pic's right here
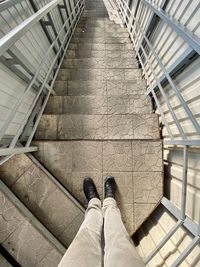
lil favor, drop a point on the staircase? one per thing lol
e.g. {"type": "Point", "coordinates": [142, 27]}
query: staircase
{"type": "Point", "coordinates": [99, 122]}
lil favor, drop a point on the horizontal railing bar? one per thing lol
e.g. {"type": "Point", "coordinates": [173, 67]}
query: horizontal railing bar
{"type": "Point", "coordinates": [17, 150]}
{"type": "Point", "coordinates": [186, 252]}
{"type": "Point", "coordinates": [182, 142]}
{"type": "Point", "coordinates": [163, 241]}
{"type": "Point", "coordinates": [14, 35]}
{"type": "Point", "coordinates": [5, 158]}
{"type": "Point", "coordinates": [191, 226]}
{"type": "Point", "coordinates": [183, 32]}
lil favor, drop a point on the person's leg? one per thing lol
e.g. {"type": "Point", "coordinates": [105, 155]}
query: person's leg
{"type": "Point", "coordinates": [86, 250]}
{"type": "Point", "coordinates": [119, 248]}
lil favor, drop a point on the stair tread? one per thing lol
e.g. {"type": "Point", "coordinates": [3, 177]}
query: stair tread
{"type": "Point", "coordinates": [100, 40]}
{"type": "Point", "coordinates": [108, 55]}
{"type": "Point", "coordinates": [101, 46]}
{"type": "Point", "coordinates": [110, 29]}
{"type": "Point", "coordinates": [99, 63]}
{"type": "Point", "coordinates": [15, 228]}
{"type": "Point", "coordinates": [43, 197]}
{"type": "Point", "coordinates": [106, 74]}
{"type": "Point", "coordinates": [99, 104]}
{"type": "Point", "coordinates": [98, 127]}
{"type": "Point", "coordinates": [94, 87]}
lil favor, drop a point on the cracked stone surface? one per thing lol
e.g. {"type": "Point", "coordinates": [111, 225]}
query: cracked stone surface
{"type": "Point", "coordinates": [47, 127]}
{"type": "Point", "coordinates": [145, 126]}
{"type": "Point", "coordinates": [117, 156]}
{"type": "Point", "coordinates": [95, 127]}
{"type": "Point", "coordinates": [147, 187]}
{"type": "Point", "coordinates": [99, 63]}
{"type": "Point", "coordinates": [71, 161]}
{"type": "Point", "coordinates": [86, 88]}
{"type": "Point", "coordinates": [26, 244]}
{"type": "Point", "coordinates": [43, 198]}
{"type": "Point", "coordinates": [120, 127]}
{"type": "Point", "coordinates": [70, 127]}
{"type": "Point", "coordinates": [147, 156]}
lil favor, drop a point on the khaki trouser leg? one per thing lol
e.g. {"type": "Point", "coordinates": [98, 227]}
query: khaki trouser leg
{"type": "Point", "coordinates": [86, 249]}
{"type": "Point", "coordinates": [119, 249]}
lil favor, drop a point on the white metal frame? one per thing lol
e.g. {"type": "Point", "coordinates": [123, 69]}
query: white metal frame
{"type": "Point", "coordinates": [46, 85]}
{"type": "Point", "coordinates": [140, 40]}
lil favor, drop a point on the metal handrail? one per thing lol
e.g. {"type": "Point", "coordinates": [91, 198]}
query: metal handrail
{"type": "Point", "coordinates": [8, 41]}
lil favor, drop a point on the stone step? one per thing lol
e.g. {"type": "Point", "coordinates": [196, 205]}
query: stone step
{"type": "Point", "coordinates": [100, 30]}
{"type": "Point", "coordinates": [136, 166]}
{"type": "Point", "coordinates": [102, 40]}
{"type": "Point", "coordinates": [99, 74]}
{"type": "Point", "coordinates": [93, 4]}
{"type": "Point", "coordinates": [106, 23]}
{"type": "Point", "coordinates": [95, 10]}
{"type": "Point", "coordinates": [109, 55]}
{"type": "Point", "coordinates": [99, 105]}
{"type": "Point", "coordinates": [95, 15]}
{"type": "Point", "coordinates": [25, 239]}
{"type": "Point", "coordinates": [88, 34]}
{"type": "Point", "coordinates": [43, 196]}
{"type": "Point", "coordinates": [92, 19]}
{"type": "Point", "coordinates": [93, 87]}
{"type": "Point", "coordinates": [101, 46]}
{"type": "Point", "coordinates": [97, 127]}
{"type": "Point", "coordinates": [99, 63]}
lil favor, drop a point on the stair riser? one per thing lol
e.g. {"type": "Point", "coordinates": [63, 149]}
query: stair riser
{"type": "Point", "coordinates": [89, 29]}
{"type": "Point", "coordinates": [101, 40]}
{"type": "Point", "coordinates": [101, 47]}
{"type": "Point", "coordinates": [110, 55]}
{"type": "Point", "coordinates": [98, 127]}
{"type": "Point", "coordinates": [97, 23]}
{"type": "Point", "coordinates": [95, 15]}
{"type": "Point", "coordinates": [101, 34]}
{"type": "Point", "coordinates": [99, 74]}
{"type": "Point", "coordinates": [80, 88]}
{"type": "Point", "coordinates": [93, 63]}
{"type": "Point", "coordinates": [95, 10]}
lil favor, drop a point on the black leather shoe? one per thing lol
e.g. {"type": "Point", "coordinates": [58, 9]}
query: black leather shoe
{"type": "Point", "coordinates": [110, 187]}
{"type": "Point", "coordinates": [90, 189]}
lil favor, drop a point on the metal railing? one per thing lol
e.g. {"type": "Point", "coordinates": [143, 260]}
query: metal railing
{"type": "Point", "coordinates": [142, 20]}
{"type": "Point", "coordinates": [57, 20]}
